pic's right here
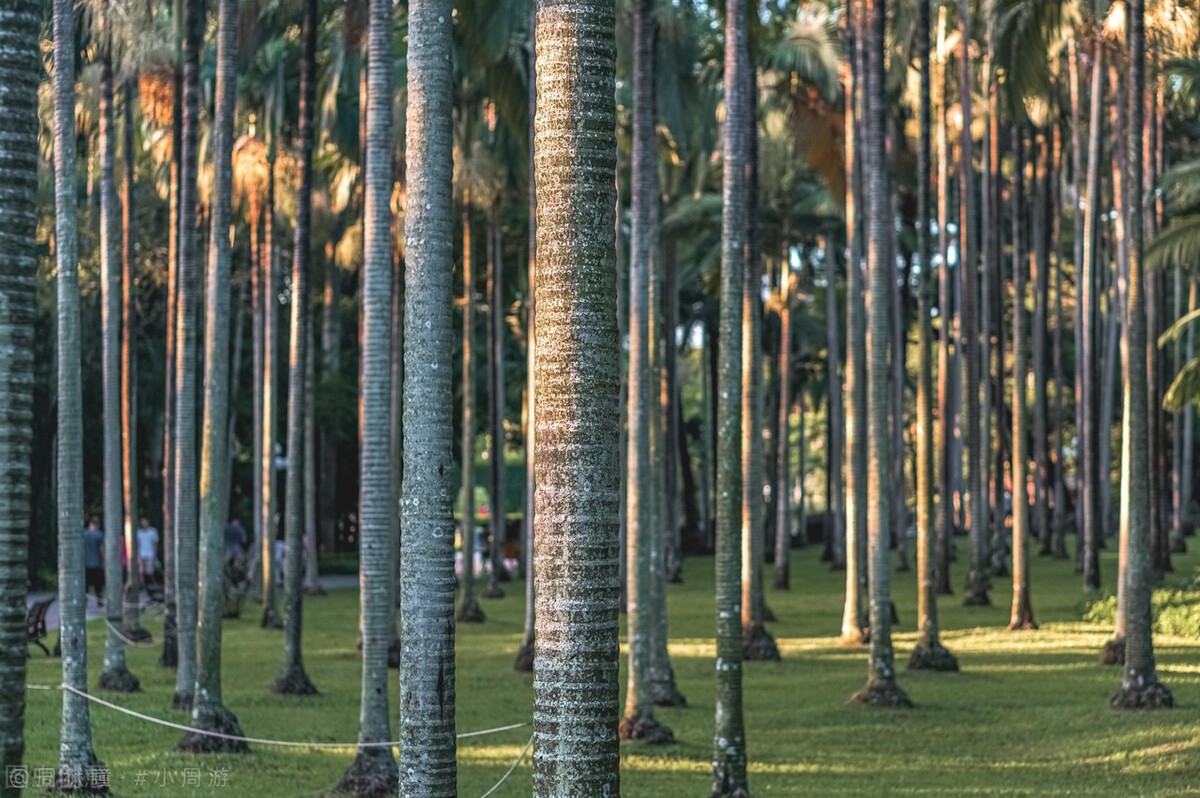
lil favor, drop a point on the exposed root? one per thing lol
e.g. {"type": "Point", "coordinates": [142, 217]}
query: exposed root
{"type": "Point", "coordinates": [932, 657]}
{"type": "Point", "coordinates": [89, 779]}
{"type": "Point", "coordinates": [643, 726]}
{"type": "Point", "coordinates": [1152, 696]}
{"type": "Point", "coordinates": [1113, 652]}
{"type": "Point", "coordinates": [524, 660]}
{"type": "Point", "coordinates": [182, 701]}
{"type": "Point", "coordinates": [270, 619]}
{"type": "Point", "coordinates": [877, 694]}
{"type": "Point", "coordinates": [213, 717]}
{"type": "Point", "coordinates": [854, 637]}
{"type": "Point", "coordinates": [119, 681]}
{"type": "Point", "coordinates": [471, 612]}
{"type": "Point", "coordinates": [1025, 623]}
{"type": "Point", "coordinates": [372, 774]}
{"type": "Point", "coordinates": [758, 645]}
{"type": "Point", "coordinates": [293, 681]}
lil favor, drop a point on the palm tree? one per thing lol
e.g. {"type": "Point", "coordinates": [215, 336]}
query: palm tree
{"type": "Point", "coordinates": [292, 679]}
{"type": "Point", "coordinates": [783, 456]}
{"type": "Point", "coordinates": [469, 611]}
{"type": "Point", "coordinates": [116, 675]}
{"type": "Point", "coordinates": [1022, 609]}
{"type": "Point", "coordinates": [578, 462]}
{"type": "Point", "coordinates": [641, 540]}
{"type": "Point", "coordinates": [855, 387]}
{"type": "Point", "coordinates": [184, 514]}
{"type": "Point", "coordinates": [947, 361]}
{"type": "Point", "coordinates": [929, 653]}
{"type": "Point", "coordinates": [268, 264]}
{"type": "Point", "coordinates": [881, 688]}
{"type": "Point", "coordinates": [495, 283]}
{"type": "Point", "coordinates": [1140, 688]}
{"type": "Point", "coordinates": [729, 736]}
{"type": "Point", "coordinates": [208, 711]}
{"type": "Point", "coordinates": [20, 70]}
{"type": "Point", "coordinates": [75, 733]}
{"type": "Point", "coordinates": [427, 750]}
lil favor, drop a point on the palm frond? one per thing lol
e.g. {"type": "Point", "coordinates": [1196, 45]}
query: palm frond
{"type": "Point", "coordinates": [1177, 245]}
{"type": "Point", "coordinates": [1025, 33]}
{"type": "Point", "coordinates": [1185, 388]}
{"type": "Point", "coordinates": [811, 50]}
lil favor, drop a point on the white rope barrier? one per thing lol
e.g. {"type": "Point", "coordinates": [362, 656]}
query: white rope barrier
{"type": "Point", "coordinates": [256, 740]}
{"type": "Point", "coordinates": [504, 778]}
{"type": "Point", "coordinates": [127, 641]}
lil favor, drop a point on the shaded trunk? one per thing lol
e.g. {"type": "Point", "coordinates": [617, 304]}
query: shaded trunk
{"type": "Point", "coordinates": [469, 611]}
{"type": "Point", "coordinates": [331, 367]}
{"type": "Point", "coordinates": [947, 374]}
{"type": "Point", "coordinates": [783, 471]}
{"type": "Point", "coordinates": [496, 512]}
{"type": "Point", "coordinates": [669, 400]}
{"type": "Point", "coordinates": [834, 447]}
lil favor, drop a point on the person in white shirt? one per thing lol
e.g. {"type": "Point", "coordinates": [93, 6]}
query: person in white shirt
{"type": "Point", "coordinates": [147, 544]}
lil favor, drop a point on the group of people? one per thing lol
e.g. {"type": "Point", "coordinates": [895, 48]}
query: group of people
{"type": "Point", "coordinates": [94, 555]}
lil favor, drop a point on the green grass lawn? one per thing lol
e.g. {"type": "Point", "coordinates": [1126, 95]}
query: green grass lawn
{"type": "Point", "coordinates": [1028, 714]}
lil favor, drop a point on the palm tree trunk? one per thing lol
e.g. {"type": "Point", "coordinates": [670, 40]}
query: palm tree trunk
{"type": "Point", "coordinates": [1187, 463]}
{"type": "Point", "coordinates": [469, 611]}
{"type": "Point", "coordinates": [184, 516]}
{"type": "Point", "coordinates": [524, 659]}
{"type": "Point", "coordinates": [669, 401]}
{"type": "Point", "coordinates": [209, 712]}
{"type": "Point", "coordinates": [899, 508]}
{"type": "Point", "coordinates": [575, 742]}
{"type": "Point", "coordinates": [331, 366]}
{"type": "Point", "coordinates": [1039, 251]}
{"type": "Point", "coordinates": [116, 675]}
{"type": "Point", "coordinates": [258, 298]}
{"type": "Point", "coordinates": [20, 72]}
{"type": "Point", "coordinates": [853, 619]}
{"type": "Point", "coordinates": [929, 653]}
{"type": "Point", "coordinates": [267, 508]}
{"type": "Point", "coordinates": [834, 446]}
{"type": "Point", "coordinates": [1022, 609]}
{"type": "Point", "coordinates": [75, 732]}
{"type": "Point", "coordinates": [292, 679]}
{"type": "Point", "coordinates": [881, 688]}
{"type": "Point", "coordinates": [498, 517]}
{"type": "Point", "coordinates": [312, 575]}
{"type": "Point", "coordinates": [1090, 508]}
{"type": "Point", "coordinates": [729, 750]}
{"type": "Point", "coordinates": [782, 487]}
{"type": "Point", "coordinates": [977, 578]}
{"type": "Point", "coordinates": [170, 651]}
{"type": "Point", "coordinates": [1058, 546]}
{"type": "Point", "coordinates": [427, 509]}
{"type": "Point", "coordinates": [1140, 688]}
{"type": "Point", "coordinates": [947, 375]}
{"type": "Point", "coordinates": [989, 219]}
{"type": "Point", "coordinates": [1075, 80]}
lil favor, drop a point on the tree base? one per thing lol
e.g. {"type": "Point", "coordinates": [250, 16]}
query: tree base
{"type": "Point", "coordinates": [501, 574]}
{"type": "Point", "coordinates": [675, 575]}
{"type": "Point", "coordinates": [1151, 696]}
{"type": "Point", "coordinates": [976, 596]}
{"type": "Point", "coordinates": [881, 695]}
{"type": "Point", "coordinates": [769, 615]}
{"type": "Point", "coordinates": [293, 681]}
{"type": "Point", "coordinates": [494, 591]}
{"type": "Point", "coordinates": [119, 681]}
{"type": "Point", "coordinates": [524, 660]}
{"type": "Point", "coordinates": [213, 717]}
{"type": "Point", "coordinates": [853, 638]}
{"type": "Point", "coordinates": [758, 645]}
{"type": "Point", "coordinates": [170, 650]}
{"type": "Point", "coordinates": [781, 582]}
{"type": "Point", "coordinates": [137, 633]}
{"type": "Point", "coordinates": [315, 590]}
{"type": "Point", "coordinates": [1113, 652]}
{"type": "Point", "coordinates": [932, 657]}
{"type": "Point", "coordinates": [89, 779]}
{"type": "Point", "coordinates": [182, 701]}
{"type": "Point", "coordinates": [394, 653]}
{"type": "Point", "coordinates": [1178, 545]}
{"type": "Point", "coordinates": [270, 619]}
{"type": "Point", "coordinates": [470, 612]}
{"type": "Point", "coordinates": [643, 726]}
{"type": "Point", "coordinates": [903, 565]}
{"type": "Point", "coordinates": [664, 693]}
{"type": "Point", "coordinates": [373, 774]}
{"type": "Point", "coordinates": [1023, 623]}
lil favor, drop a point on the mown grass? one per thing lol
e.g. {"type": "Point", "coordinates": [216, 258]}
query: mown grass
{"type": "Point", "coordinates": [1027, 715]}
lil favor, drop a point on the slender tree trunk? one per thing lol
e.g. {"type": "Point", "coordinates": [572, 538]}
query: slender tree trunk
{"type": "Point", "coordinates": [427, 557]}
{"type": "Point", "coordinates": [20, 72]}
{"type": "Point", "coordinates": [834, 446]}
{"type": "Point", "coordinates": [185, 519]}
{"type": "Point", "coordinates": [729, 747]}
{"type": "Point", "coordinates": [209, 712]}
{"type": "Point", "coordinates": [170, 651]}
{"type": "Point", "coordinates": [575, 742]}
{"type": "Point", "coordinates": [116, 675]}
{"type": "Point", "coordinates": [75, 732]}
{"type": "Point", "coordinates": [331, 366]}
{"type": "Point", "coordinates": [469, 611]}
{"type": "Point", "coordinates": [989, 218]}
{"type": "Point", "coordinates": [1090, 508]}
{"type": "Point", "coordinates": [1187, 465]}
{"type": "Point", "coordinates": [498, 517]}
{"type": "Point", "coordinates": [1140, 688]}
{"type": "Point", "coordinates": [929, 653]}
{"type": "Point", "coordinates": [312, 575]}
{"type": "Point", "coordinates": [1022, 609]}
{"type": "Point", "coordinates": [782, 488]}
{"type": "Point", "coordinates": [669, 401]}
{"type": "Point", "coordinates": [1058, 546]}
{"type": "Point", "coordinates": [292, 679]}
{"type": "Point", "coordinates": [881, 689]}
{"type": "Point", "coordinates": [1039, 260]}
{"type": "Point", "coordinates": [270, 384]}
{"type": "Point", "coordinates": [945, 367]}
{"type": "Point", "coordinates": [1075, 80]}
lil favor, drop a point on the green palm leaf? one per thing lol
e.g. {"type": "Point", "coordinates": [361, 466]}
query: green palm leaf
{"type": "Point", "coordinates": [1178, 245]}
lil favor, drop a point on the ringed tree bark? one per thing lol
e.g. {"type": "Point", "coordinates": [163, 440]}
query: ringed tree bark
{"type": "Point", "coordinates": [1140, 688]}
{"type": "Point", "coordinates": [427, 558]}
{"type": "Point", "coordinates": [116, 675]}
{"type": "Point", "coordinates": [578, 463]}
{"type": "Point", "coordinates": [497, 516]}
{"type": "Point", "coordinates": [929, 653]}
{"type": "Point", "coordinates": [881, 689]}
{"type": "Point", "coordinates": [76, 755]}
{"type": "Point", "coordinates": [729, 735]}
{"type": "Point", "coordinates": [292, 679]}
{"type": "Point", "coordinates": [20, 72]}
{"type": "Point", "coordinates": [208, 711]}
{"type": "Point", "coordinates": [469, 611]}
